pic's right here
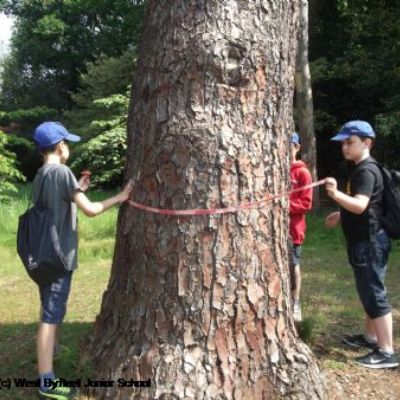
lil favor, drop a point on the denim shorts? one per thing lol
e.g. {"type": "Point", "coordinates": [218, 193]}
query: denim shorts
{"type": "Point", "coordinates": [368, 259]}
{"type": "Point", "coordinates": [295, 255]}
{"type": "Point", "coordinates": [54, 299]}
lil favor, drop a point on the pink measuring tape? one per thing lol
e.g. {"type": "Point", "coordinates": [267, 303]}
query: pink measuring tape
{"type": "Point", "coordinates": [232, 209]}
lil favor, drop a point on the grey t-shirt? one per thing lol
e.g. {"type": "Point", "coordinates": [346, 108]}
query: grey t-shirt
{"type": "Point", "coordinates": [57, 194]}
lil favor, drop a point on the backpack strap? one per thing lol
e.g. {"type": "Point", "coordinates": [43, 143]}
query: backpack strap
{"type": "Point", "coordinates": [371, 209]}
{"type": "Point", "coordinates": [380, 168]}
{"type": "Point", "coordinates": [40, 191]}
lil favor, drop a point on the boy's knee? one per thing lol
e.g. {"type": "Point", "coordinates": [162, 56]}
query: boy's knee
{"type": "Point", "coordinates": [375, 305]}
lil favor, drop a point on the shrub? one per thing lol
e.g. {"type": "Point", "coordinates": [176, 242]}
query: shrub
{"type": "Point", "coordinates": [28, 158]}
{"type": "Point", "coordinates": [104, 155]}
{"type": "Point", "coordinates": [9, 174]}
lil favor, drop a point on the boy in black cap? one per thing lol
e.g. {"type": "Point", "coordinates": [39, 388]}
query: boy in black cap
{"type": "Point", "coordinates": [368, 245]}
{"type": "Point", "coordinates": [61, 193]}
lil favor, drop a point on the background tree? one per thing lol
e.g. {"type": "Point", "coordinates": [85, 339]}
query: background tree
{"type": "Point", "coordinates": [75, 55]}
{"type": "Point", "coordinates": [201, 305]}
{"type": "Point", "coordinates": [354, 52]}
{"type": "Point", "coordinates": [54, 40]}
{"type": "Point", "coordinates": [99, 115]}
{"type": "Point", "coordinates": [104, 78]}
{"type": "Point", "coordinates": [105, 152]}
{"type": "Point", "coordinates": [304, 100]}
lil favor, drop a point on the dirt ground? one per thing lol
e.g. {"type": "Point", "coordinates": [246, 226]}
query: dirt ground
{"type": "Point", "coordinates": [346, 380]}
{"type": "Point", "coordinates": [357, 383]}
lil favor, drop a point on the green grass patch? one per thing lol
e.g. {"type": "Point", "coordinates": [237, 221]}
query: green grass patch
{"type": "Point", "coordinates": [334, 365]}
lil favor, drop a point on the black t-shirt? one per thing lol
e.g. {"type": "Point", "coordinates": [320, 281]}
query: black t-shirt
{"type": "Point", "coordinates": [365, 179]}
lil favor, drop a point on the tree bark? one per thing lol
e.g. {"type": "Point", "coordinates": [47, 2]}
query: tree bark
{"type": "Point", "coordinates": [200, 305]}
{"type": "Point", "coordinates": [305, 100]}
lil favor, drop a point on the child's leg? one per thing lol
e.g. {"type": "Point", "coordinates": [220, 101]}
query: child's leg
{"type": "Point", "coordinates": [370, 332]}
{"type": "Point", "coordinates": [369, 263]}
{"type": "Point", "coordinates": [384, 332]}
{"type": "Point", "coordinates": [54, 299]}
{"type": "Point", "coordinates": [297, 283]}
{"type": "Point", "coordinates": [45, 347]}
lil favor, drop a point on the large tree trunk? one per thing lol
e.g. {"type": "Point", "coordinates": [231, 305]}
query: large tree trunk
{"type": "Point", "coordinates": [200, 305]}
{"type": "Point", "coordinates": [304, 99]}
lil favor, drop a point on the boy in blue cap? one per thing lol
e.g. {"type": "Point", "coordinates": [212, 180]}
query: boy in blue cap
{"type": "Point", "coordinates": [61, 193]}
{"type": "Point", "coordinates": [299, 204]}
{"type": "Point", "coordinates": [368, 245]}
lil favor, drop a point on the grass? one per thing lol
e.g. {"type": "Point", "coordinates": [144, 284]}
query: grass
{"type": "Point", "coordinates": [329, 302]}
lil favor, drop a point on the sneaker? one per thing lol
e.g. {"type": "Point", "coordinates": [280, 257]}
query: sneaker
{"type": "Point", "coordinates": [358, 341]}
{"type": "Point", "coordinates": [377, 359]}
{"type": "Point", "coordinates": [58, 393]}
{"type": "Point", "coordinates": [297, 312]}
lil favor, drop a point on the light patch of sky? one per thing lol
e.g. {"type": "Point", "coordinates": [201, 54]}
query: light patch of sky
{"type": "Point", "coordinates": [5, 29]}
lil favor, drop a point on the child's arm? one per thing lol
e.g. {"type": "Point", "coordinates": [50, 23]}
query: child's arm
{"type": "Point", "coordinates": [356, 204]}
{"type": "Point", "coordinates": [301, 202]}
{"type": "Point", "coordinates": [91, 209]}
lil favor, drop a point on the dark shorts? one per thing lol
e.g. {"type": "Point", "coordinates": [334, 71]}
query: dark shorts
{"type": "Point", "coordinates": [368, 260]}
{"type": "Point", "coordinates": [295, 255]}
{"type": "Point", "coordinates": [54, 299]}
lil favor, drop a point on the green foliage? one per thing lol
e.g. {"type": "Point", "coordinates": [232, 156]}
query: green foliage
{"type": "Point", "coordinates": [50, 26]}
{"type": "Point", "coordinates": [306, 330]}
{"type": "Point", "coordinates": [9, 174]}
{"type": "Point", "coordinates": [54, 41]}
{"type": "Point", "coordinates": [388, 145]}
{"type": "Point", "coordinates": [27, 117]}
{"type": "Point", "coordinates": [28, 158]}
{"type": "Point", "coordinates": [21, 123]}
{"type": "Point", "coordinates": [104, 77]}
{"type": "Point", "coordinates": [55, 47]}
{"type": "Point", "coordinates": [104, 156]}
{"type": "Point", "coordinates": [355, 58]}
{"type": "Point", "coordinates": [104, 92]}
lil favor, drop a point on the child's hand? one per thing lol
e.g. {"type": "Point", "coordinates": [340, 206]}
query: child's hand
{"type": "Point", "coordinates": [332, 219]}
{"type": "Point", "coordinates": [331, 187]}
{"type": "Point", "coordinates": [84, 181]}
{"type": "Point", "coordinates": [126, 192]}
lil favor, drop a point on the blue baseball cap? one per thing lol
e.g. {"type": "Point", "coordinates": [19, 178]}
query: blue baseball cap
{"type": "Point", "coordinates": [295, 138]}
{"type": "Point", "coordinates": [48, 134]}
{"type": "Point", "coordinates": [358, 128]}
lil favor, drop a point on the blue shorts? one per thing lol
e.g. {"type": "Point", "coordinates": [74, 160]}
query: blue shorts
{"type": "Point", "coordinates": [54, 299]}
{"type": "Point", "coordinates": [368, 260]}
{"type": "Point", "coordinates": [296, 255]}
